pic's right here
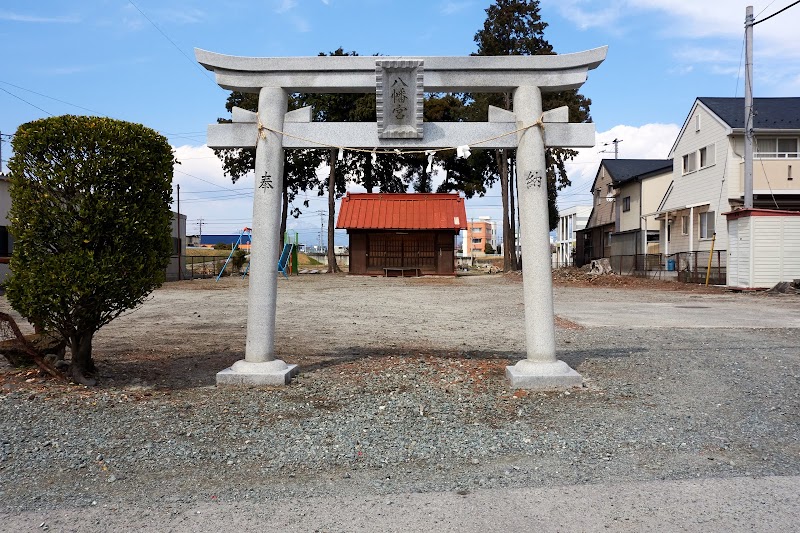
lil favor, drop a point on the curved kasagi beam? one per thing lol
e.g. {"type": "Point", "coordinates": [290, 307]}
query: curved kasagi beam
{"type": "Point", "coordinates": [356, 74]}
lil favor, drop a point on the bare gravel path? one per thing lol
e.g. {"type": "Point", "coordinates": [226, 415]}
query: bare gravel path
{"type": "Point", "coordinates": [402, 392]}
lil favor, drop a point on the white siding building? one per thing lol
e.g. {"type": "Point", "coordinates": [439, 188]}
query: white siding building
{"type": "Point", "coordinates": [763, 247]}
{"type": "Point", "coordinates": [569, 222]}
{"type": "Point", "coordinates": [708, 176]}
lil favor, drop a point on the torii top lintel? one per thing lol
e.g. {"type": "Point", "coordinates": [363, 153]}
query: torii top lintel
{"type": "Point", "coordinates": [356, 74]}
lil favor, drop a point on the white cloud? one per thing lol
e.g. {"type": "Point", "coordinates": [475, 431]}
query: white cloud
{"type": "Point", "coordinates": [594, 14]}
{"type": "Point", "coordinates": [301, 24]}
{"type": "Point", "coordinates": [450, 8]}
{"type": "Point", "coordinates": [207, 194]}
{"type": "Point", "coordinates": [181, 16]}
{"type": "Point", "coordinates": [650, 141]}
{"type": "Point", "coordinates": [689, 19]}
{"type": "Point", "coordinates": [17, 17]}
{"type": "Point", "coordinates": [285, 5]}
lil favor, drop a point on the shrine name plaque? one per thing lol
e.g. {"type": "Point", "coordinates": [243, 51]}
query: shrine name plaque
{"type": "Point", "coordinates": [399, 92]}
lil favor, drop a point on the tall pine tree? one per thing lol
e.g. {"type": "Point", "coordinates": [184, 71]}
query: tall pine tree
{"type": "Point", "coordinates": [515, 27]}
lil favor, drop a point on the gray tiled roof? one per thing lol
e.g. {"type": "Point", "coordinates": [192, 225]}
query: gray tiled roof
{"type": "Point", "coordinates": [624, 170]}
{"type": "Point", "coordinates": [770, 113]}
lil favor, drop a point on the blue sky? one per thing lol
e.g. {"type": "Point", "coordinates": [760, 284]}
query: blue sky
{"type": "Point", "coordinates": [135, 61]}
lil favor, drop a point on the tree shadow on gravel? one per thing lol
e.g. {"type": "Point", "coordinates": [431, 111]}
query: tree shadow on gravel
{"type": "Point", "coordinates": [160, 370]}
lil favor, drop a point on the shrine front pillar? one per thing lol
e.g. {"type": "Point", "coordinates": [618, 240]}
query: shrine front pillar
{"type": "Point", "coordinates": [260, 365]}
{"type": "Point", "coordinates": [540, 369]}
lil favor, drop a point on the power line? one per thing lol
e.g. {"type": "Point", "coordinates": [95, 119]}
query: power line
{"type": "Point", "coordinates": [206, 181]}
{"type": "Point", "coordinates": [776, 13]}
{"type": "Point", "coordinates": [178, 48]}
{"type": "Point", "coordinates": [767, 7]}
{"type": "Point", "coordinates": [27, 102]}
{"type": "Point", "coordinates": [53, 98]}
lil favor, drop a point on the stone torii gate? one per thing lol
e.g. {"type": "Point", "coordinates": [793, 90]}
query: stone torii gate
{"type": "Point", "coordinates": [400, 83]}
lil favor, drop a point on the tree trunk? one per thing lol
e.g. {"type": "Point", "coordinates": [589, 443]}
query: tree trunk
{"type": "Point", "coordinates": [82, 367]}
{"type": "Point", "coordinates": [284, 213]}
{"type": "Point", "coordinates": [508, 237]}
{"type": "Point", "coordinates": [332, 266]}
{"type": "Point", "coordinates": [369, 175]}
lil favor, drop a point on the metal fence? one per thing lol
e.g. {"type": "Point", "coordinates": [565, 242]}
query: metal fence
{"type": "Point", "coordinates": [690, 267]}
{"type": "Point", "coordinates": [198, 267]}
{"type": "Point", "coordinates": [636, 263]}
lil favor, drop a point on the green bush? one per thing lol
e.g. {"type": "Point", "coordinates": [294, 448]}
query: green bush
{"type": "Point", "coordinates": [237, 260]}
{"type": "Point", "coordinates": [222, 246]}
{"type": "Point", "coordinates": [91, 220]}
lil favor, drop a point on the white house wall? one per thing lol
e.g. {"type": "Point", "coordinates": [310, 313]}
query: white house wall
{"type": "Point", "coordinates": [631, 219]}
{"type": "Point", "coordinates": [702, 185]}
{"type": "Point", "coordinates": [653, 190]}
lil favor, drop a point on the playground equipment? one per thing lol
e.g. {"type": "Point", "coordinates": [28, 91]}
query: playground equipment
{"type": "Point", "coordinates": [289, 260]}
{"type": "Point", "coordinates": [235, 246]}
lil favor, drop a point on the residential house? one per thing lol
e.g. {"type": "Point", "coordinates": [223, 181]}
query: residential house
{"type": "Point", "coordinates": [570, 221]}
{"type": "Point", "coordinates": [594, 241]}
{"type": "Point", "coordinates": [640, 185]}
{"type": "Point", "coordinates": [708, 174]}
{"type": "Point", "coordinates": [626, 195]}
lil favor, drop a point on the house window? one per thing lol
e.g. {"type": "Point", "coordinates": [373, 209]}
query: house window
{"type": "Point", "coordinates": [707, 156]}
{"type": "Point", "coordinates": [476, 241]}
{"type": "Point", "coordinates": [697, 123]}
{"type": "Point", "coordinates": [597, 196]}
{"type": "Point", "coordinates": [706, 225]}
{"type": "Point", "coordinates": [777, 147]}
{"type": "Point", "coordinates": [689, 163]}
{"type": "Point", "coordinates": [476, 230]}
{"type": "Point", "coordinates": [685, 225]}
{"type": "Point", "coordinates": [626, 203]}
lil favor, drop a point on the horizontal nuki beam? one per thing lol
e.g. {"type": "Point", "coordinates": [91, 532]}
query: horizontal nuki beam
{"type": "Point", "coordinates": [356, 74]}
{"type": "Point", "coordinates": [437, 135]}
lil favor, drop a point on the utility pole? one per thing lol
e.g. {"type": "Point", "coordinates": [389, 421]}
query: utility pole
{"type": "Point", "coordinates": [321, 227]}
{"type": "Point", "coordinates": [615, 142]}
{"type": "Point", "coordinates": [180, 248]}
{"type": "Point", "coordinates": [200, 224]}
{"type": "Point", "coordinates": [748, 109]}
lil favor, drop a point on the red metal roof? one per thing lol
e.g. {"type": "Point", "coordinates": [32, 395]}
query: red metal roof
{"type": "Point", "coordinates": [417, 211]}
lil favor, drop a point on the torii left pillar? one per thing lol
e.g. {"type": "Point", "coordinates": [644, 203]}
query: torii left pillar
{"type": "Point", "coordinates": [260, 365]}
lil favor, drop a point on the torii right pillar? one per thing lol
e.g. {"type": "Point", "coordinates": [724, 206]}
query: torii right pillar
{"type": "Point", "coordinates": [541, 369]}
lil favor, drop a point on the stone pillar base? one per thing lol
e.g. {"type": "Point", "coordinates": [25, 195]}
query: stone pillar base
{"type": "Point", "coordinates": [243, 372]}
{"type": "Point", "coordinates": [548, 375]}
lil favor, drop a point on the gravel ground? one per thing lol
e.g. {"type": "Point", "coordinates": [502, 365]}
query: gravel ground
{"type": "Point", "coordinates": [401, 391]}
